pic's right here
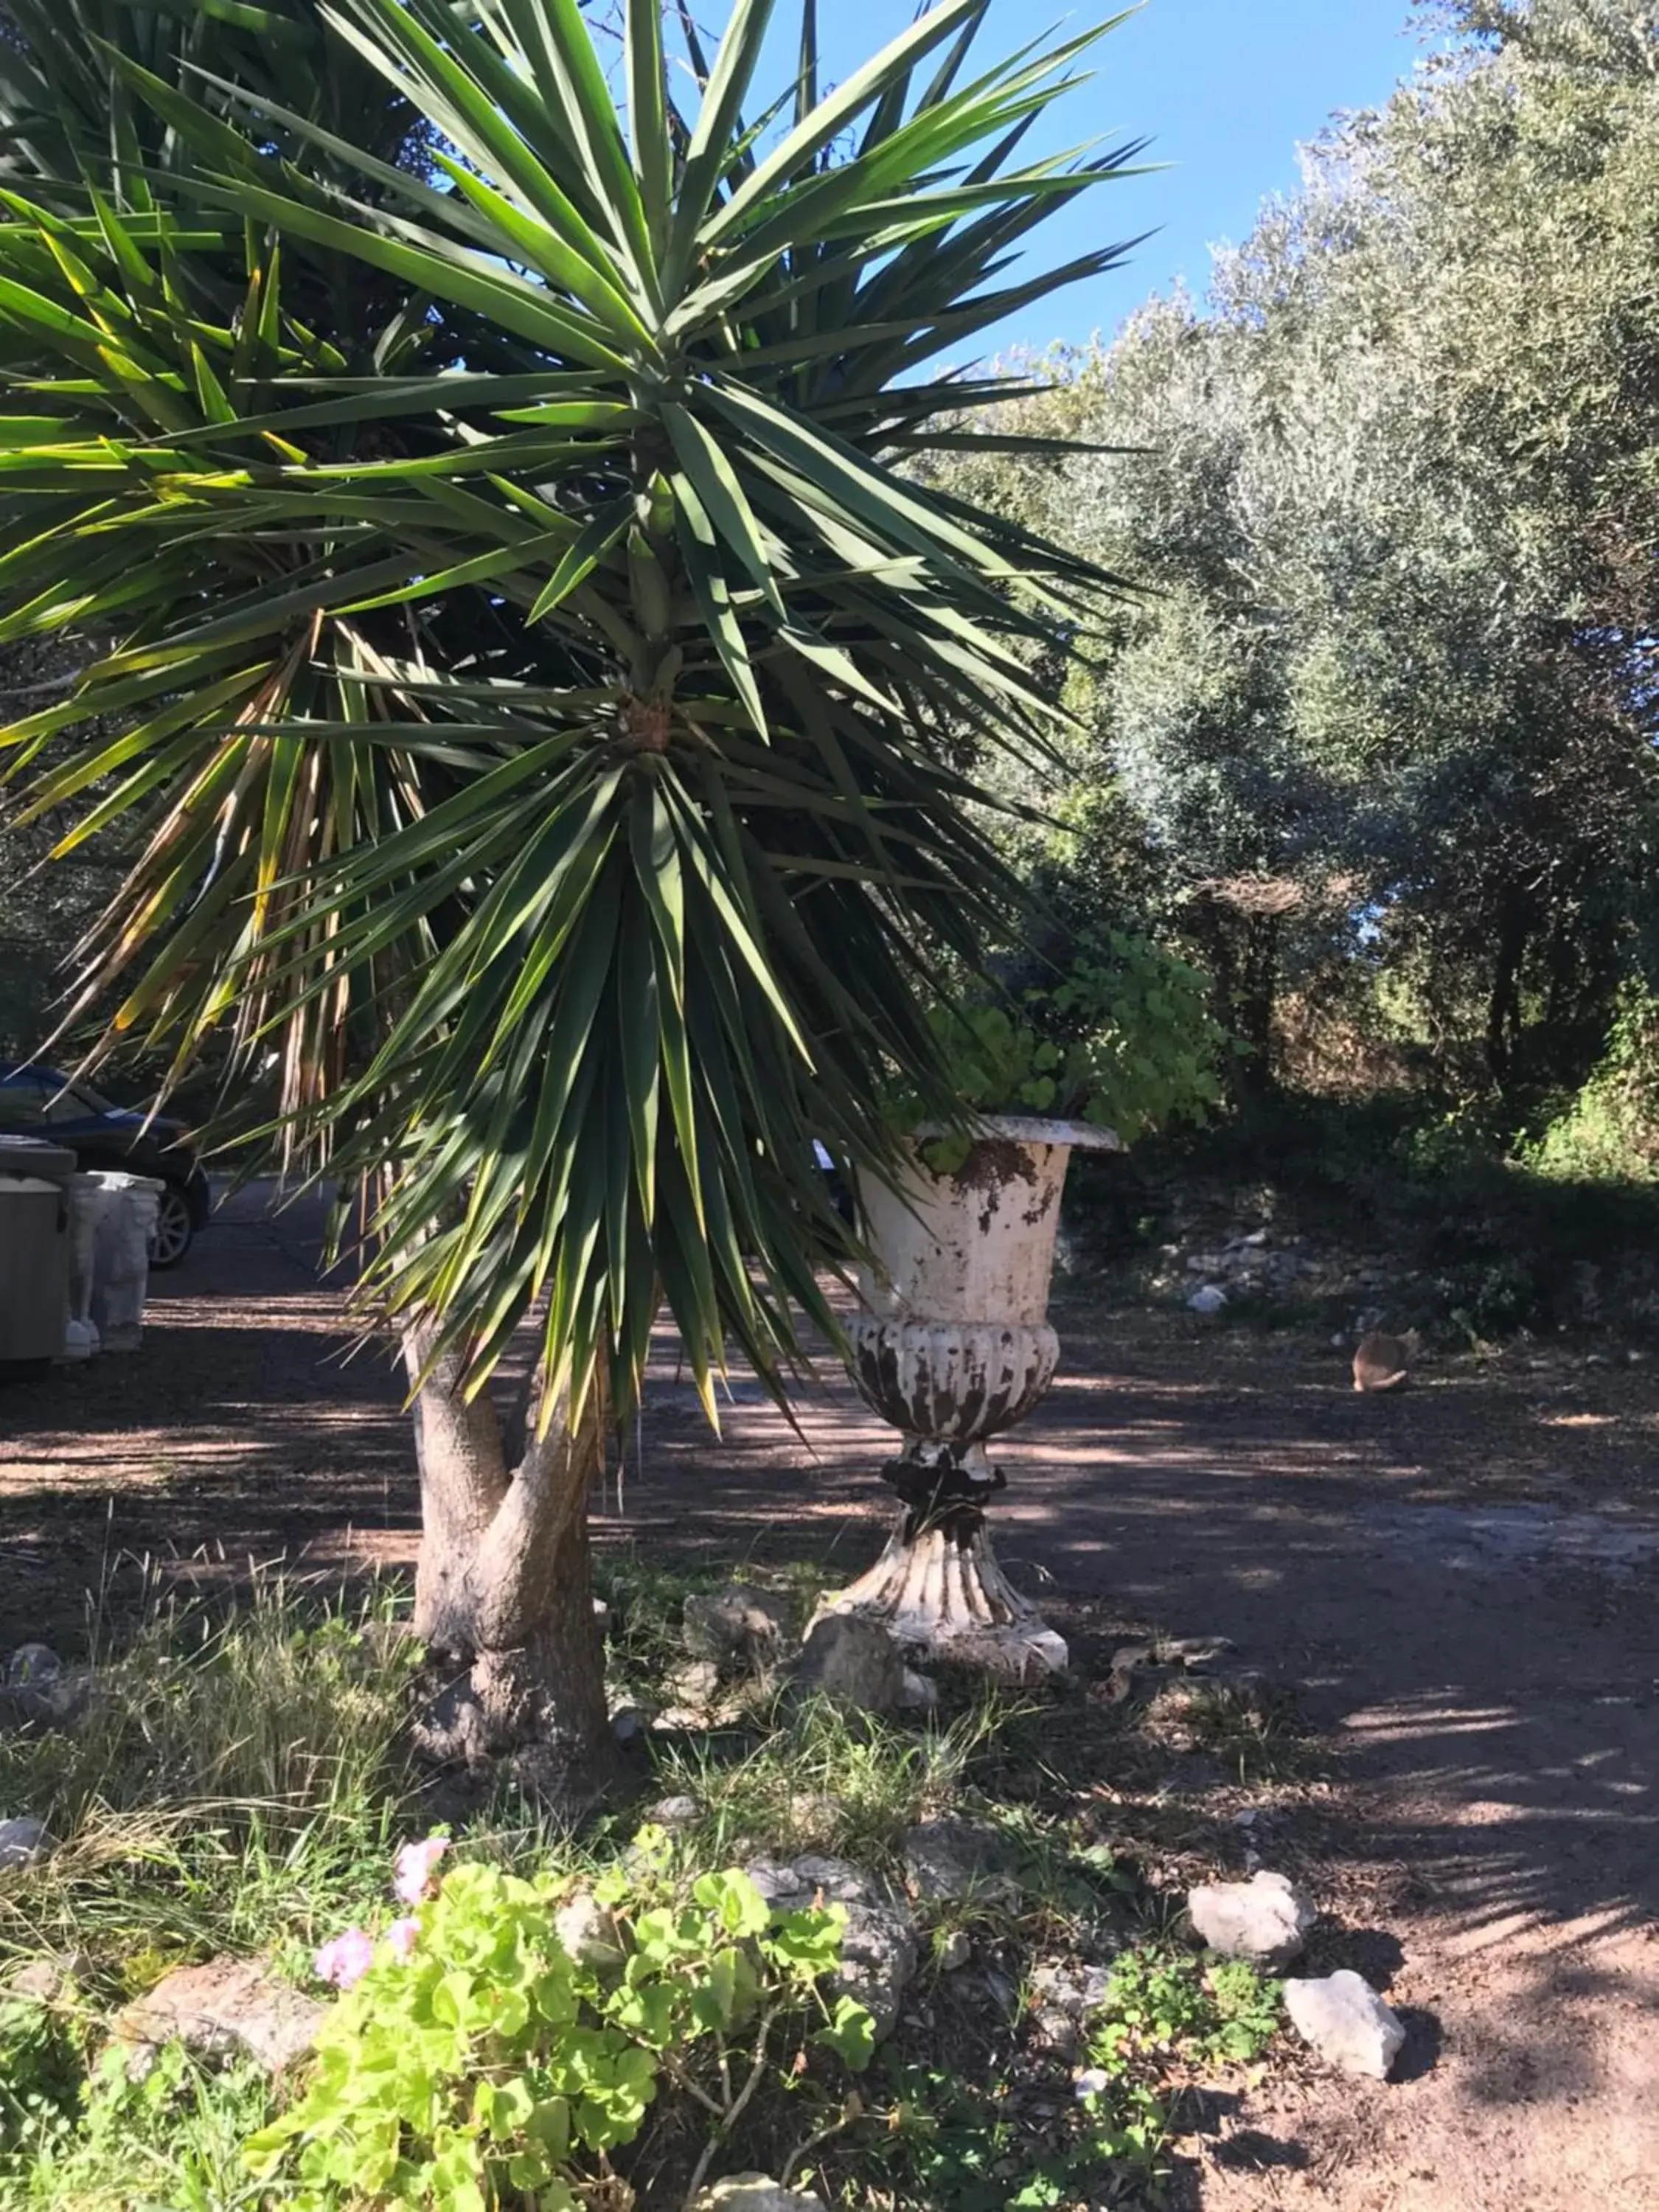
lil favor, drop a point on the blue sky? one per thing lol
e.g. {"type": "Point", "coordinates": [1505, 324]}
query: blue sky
{"type": "Point", "coordinates": [1225, 89]}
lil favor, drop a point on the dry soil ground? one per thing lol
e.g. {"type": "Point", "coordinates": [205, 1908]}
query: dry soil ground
{"type": "Point", "coordinates": [1461, 1581]}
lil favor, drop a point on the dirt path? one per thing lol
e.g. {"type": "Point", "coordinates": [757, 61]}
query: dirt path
{"type": "Point", "coordinates": [1462, 1581]}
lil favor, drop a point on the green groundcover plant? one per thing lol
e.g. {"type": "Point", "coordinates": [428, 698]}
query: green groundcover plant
{"type": "Point", "coordinates": [478, 2059]}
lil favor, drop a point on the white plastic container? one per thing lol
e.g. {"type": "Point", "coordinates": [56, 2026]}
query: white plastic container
{"type": "Point", "coordinates": [124, 1208]}
{"type": "Point", "coordinates": [82, 1340]}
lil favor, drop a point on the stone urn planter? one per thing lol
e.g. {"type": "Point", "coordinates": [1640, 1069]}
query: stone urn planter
{"type": "Point", "coordinates": [953, 1349]}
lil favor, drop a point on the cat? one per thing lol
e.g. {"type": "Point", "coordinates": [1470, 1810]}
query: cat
{"type": "Point", "coordinates": [1384, 1362]}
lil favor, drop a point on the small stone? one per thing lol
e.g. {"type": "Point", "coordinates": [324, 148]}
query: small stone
{"type": "Point", "coordinates": [1345, 2021]}
{"type": "Point", "coordinates": [879, 1944]}
{"type": "Point", "coordinates": [813, 1816]}
{"type": "Point", "coordinates": [954, 1951]}
{"type": "Point", "coordinates": [587, 1932]}
{"type": "Point", "coordinates": [58, 1704]}
{"type": "Point", "coordinates": [794, 1882]}
{"type": "Point", "coordinates": [1058, 2029]}
{"type": "Point", "coordinates": [1211, 1299]}
{"type": "Point", "coordinates": [919, 1693]}
{"type": "Point", "coordinates": [736, 1627]}
{"type": "Point", "coordinates": [852, 1662]}
{"type": "Point", "coordinates": [629, 1724]}
{"type": "Point", "coordinates": [227, 2008]}
{"type": "Point", "coordinates": [38, 1691]}
{"type": "Point", "coordinates": [1001, 1993]}
{"type": "Point", "coordinates": [1174, 1713]}
{"type": "Point", "coordinates": [1062, 1998]}
{"type": "Point", "coordinates": [878, 1962]}
{"type": "Point", "coordinates": [23, 1842]}
{"type": "Point", "coordinates": [1265, 1920]}
{"type": "Point", "coordinates": [756, 2193]}
{"type": "Point", "coordinates": [674, 1813]}
{"type": "Point", "coordinates": [948, 1860]}
{"type": "Point", "coordinates": [46, 1981]}
{"type": "Point", "coordinates": [695, 1690]}
{"type": "Point", "coordinates": [32, 1666]}
{"type": "Point", "coordinates": [1194, 1653]}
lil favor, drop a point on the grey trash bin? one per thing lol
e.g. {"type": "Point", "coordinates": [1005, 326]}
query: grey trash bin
{"type": "Point", "coordinates": [34, 1254]}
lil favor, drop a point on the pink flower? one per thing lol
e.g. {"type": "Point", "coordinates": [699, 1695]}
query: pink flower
{"type": "Point", "coordinates": [415, 1864]}
{"type": "Point", "coordinates": [402, 1936]}
{"type": "Point", "coordinates": [344, 1960]}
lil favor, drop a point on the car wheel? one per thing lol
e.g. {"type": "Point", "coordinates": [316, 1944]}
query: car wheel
{"type": "Point", "coordinates": [174, 1229]}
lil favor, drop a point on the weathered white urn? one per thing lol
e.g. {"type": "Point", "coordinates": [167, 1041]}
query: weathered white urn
{"type": "Point", "coordinates": [955, 1348]}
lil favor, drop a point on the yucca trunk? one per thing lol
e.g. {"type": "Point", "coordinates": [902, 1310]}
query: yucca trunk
{"type": "Point", "coordinates": [504, 1588]}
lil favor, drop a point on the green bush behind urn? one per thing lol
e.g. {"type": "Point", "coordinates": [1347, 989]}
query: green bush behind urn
{"type": "Point", "coordinates": [1123, 1039]}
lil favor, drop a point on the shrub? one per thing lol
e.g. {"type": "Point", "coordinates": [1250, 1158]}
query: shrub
{"type": "Point", "coordinates": [1123, 1038]}
{"type": "Point", "coordinates": [477, 2063]}
{"type": "Point", "coordinates": [1610, 1131]}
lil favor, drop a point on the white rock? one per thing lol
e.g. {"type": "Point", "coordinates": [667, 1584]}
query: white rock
{"type": "Point", "coordinates": [814, 1817]}
{"type": "Point", "coordinates": [791, 1883]}
{"type": "Point", "coordinates": [878, 1942]}
{"type": "Point", "coordinates": [954, 1951]}
{"type": "Point", "coordinates": [587, 1932]}
{"type": "Point", "coordinates": [23, 1842]}
{"type": "Point", "coordinates": [695, 1689]}
{"type": "Point", "coordinates": [227, 2008]}
{"type": "Point", "coordinates": [673, 1812]}
{"type": "Point", "coordinates": [948, 1860]}
{"type": "Point", "coordinates": [737, 1624]}
{"type": "Point", "coordinates": [32, 1666]}
{"type": "Point", "coordinates": [47, 1980]}
{"type": "Point", "coordinates": [756, 2193]}
{"type": "Point", "coordinates": [878, 1962]}
{"type": "Point", "coordinates": [919, 1694]}
{"type": "Point", "coordinates": [1209, 1300]}
{"type": "Point", "coordinates": [1346, 2023]}
{"type": "Point", "coordinates": [852, 1662]}
{"type": "Point", "coordinates": [1265, 1919]}
{"type": "Point", "coordinates": [1062, 1997]}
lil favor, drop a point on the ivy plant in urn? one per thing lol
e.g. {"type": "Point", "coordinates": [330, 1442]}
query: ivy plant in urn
{"type": "Point", "coordinates": [954, 1347]}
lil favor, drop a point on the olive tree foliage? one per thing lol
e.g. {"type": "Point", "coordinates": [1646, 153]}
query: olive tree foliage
{"type": "Point", "coordinates": [1389, 494]}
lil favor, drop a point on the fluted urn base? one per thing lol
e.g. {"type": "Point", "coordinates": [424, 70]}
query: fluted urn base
{"type": "Point", "coordinates": [938, 1588]}
{"type": "Point", "coordinates": [949, 1601]}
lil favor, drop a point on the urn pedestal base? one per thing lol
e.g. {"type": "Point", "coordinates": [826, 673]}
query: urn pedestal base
{"type": "Point", "coordinates": [938, 1589]}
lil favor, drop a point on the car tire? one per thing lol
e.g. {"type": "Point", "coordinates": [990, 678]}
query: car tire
{"type": "Point", "coordinates": [174, 1230]}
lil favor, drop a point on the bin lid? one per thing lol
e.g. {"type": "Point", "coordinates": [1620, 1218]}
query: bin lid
{"type": "Point", "coordinates": [34, 1156]}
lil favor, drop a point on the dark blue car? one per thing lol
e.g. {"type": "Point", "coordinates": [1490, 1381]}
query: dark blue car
{"type": "Point", "coordinates": [39, 1101]}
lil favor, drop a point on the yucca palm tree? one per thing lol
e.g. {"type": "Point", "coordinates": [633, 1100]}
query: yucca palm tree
{"type": "Point", "coordinates": [533, 687]}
